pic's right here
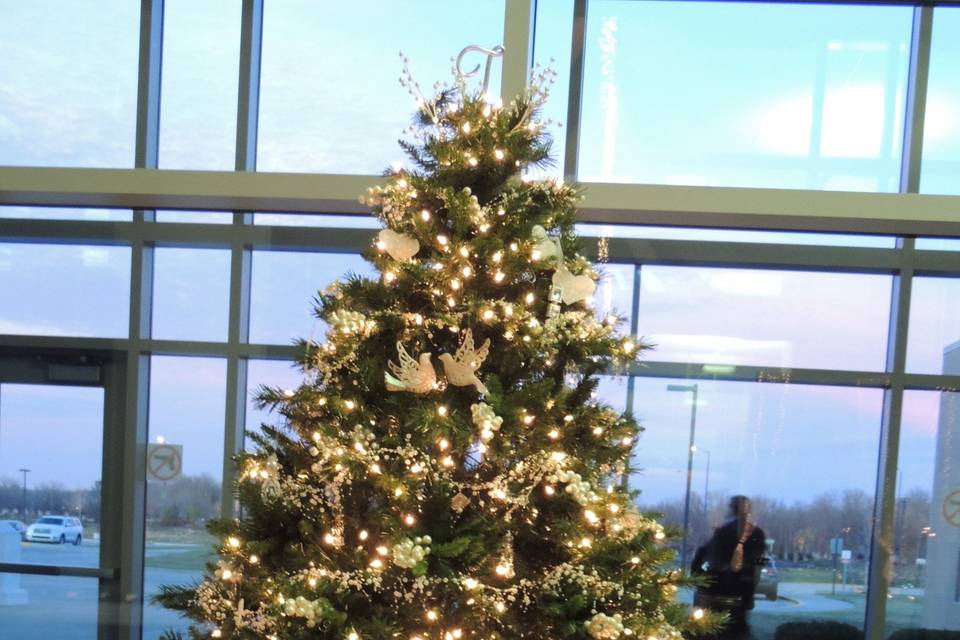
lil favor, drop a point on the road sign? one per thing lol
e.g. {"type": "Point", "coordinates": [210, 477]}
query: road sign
{"type": "Point", "coordinates": [836, 546]}
{"type": "Point", "coordinates": [951, 508]}
{"type": "Point", "coordinates": [164, 461]}
{"type": "Point", "coordinates": [846, 556]}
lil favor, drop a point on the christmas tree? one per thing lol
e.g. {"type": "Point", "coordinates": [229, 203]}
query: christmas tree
{"type": "Point", "coordinates": [445, 471]}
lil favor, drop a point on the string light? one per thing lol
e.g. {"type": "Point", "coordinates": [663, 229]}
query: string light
{"type": "Point", "coordinates": [442, 410]}
{"type": "Point", "coordinates": [409, 520]}
{"type": "Point", "coordinates": [529, 298]}
{"type": "Point", "coordinates": [498, 154]}
{"type": "Point", "coordinates": [443, 240]}
{"type": "Point", "coordinates": [364, 534]}
{"type": "Point", "coordinates": [425, 215]}
{"type": "Point", "coordinates": [464, 251]}
{"type": "Point", "coordinates": [432, 615]}
{"type": "Point", "coordinates": [499, 276]}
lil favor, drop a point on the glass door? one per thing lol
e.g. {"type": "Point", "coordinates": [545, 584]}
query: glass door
{"type": "Point", "coordinates": [58, 571]}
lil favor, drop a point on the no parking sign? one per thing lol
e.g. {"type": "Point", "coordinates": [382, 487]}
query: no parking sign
{"type": "Point", "coordinates": [164, 461]}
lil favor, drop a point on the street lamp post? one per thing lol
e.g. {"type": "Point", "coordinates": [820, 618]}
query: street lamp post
{"type": "Point", "coordinates": [706, 492]}
{"type": "Point", "coordinates": [692, 389]}
{"type": "Point", "coordinates": [23, 500]}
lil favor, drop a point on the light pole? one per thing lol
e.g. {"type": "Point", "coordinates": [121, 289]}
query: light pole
{"type": "Point", "coordinates": [706, 491]}
{"type": "Point", "coordinates": [23, 500]}
{"type": "Point", "coordinates": [692, 389]}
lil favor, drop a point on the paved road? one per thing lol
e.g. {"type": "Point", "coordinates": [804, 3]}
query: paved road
{"type": "Point", "coordinates": [65, 608]}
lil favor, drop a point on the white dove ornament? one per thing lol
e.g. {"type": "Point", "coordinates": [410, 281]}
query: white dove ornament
{"type": "Point", "coordinates": [546, 249]}
{"type": "Point", "coordinates": [410, 375]}
{"type": "Point", "coordinates": [572, 288]}
{"type": "Point", "coordinates": [398, 246]}
{"type": "Point", "coordinates": [461, 368]}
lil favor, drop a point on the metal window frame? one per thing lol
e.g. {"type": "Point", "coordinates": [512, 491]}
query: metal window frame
{"type": "Point", "coordinates": [144, 189]}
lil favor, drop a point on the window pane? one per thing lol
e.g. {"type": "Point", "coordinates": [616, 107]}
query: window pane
{"type": "Point", "coordinates": [195, 217]}
{"type": "Point", "coordinates": [271, 373]}
{"type": "Point", "coordinates": [614, 294]}
{"type": "Point", "coordinates": [316, 220]}
{"type": "Point", "coordinates": [925, 589]}
{"type": "Point", "coordinates": [69, 72]}
{"type": "Point", "coordinates": [934, 323]}
{"type": "Point", "coordinates": [63, 476]}
{"type": "Point", "coordinates": [552, 35]}
{"type": "Point", "coordinates": [56, 213]}
{"type": "Point", "coordinates": [191, 294]}
{"type": "Point", "coordinates": [329, 99]}
{"type": "Point", "coordinates": [64, 290]}
{"type": "Point", "coordinates": [283, 285]}
{"type": "Point", "coordinates": [939, 244]}
{"type": "Point", "coordinates": [768, 318]}
{"type": "Point", "coordinates": [754, 95]}
{"type": "Point", "coordinates": [198, 112]}
{"type": "Point", "coordinates": [734, 235]}
{"type": "Point", "coordinates": [806, 456]}
{"type": "Point", "coordinates": [187, 401]}
{"type": "Point", "coordinates": [941, 126]}
{"type": "Point", "coordinates": [54, 607]}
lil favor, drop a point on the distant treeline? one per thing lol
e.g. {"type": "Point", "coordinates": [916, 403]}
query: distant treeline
{"type": "Point", "coordinates": [802, 530]}
{"type": "Point", "coordinates": [184, 501]}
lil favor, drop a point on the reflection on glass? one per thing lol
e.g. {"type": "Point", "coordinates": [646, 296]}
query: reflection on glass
{"type": "Point", "coordinates": [191, 293]}
{"type": "Point", "coordinates": [53, 490]}
{"type": "Point", "coordinates": [64, 290]}
{"type": "Point", "coordinates": [734, 235]}
{"type": "Point", "coordinates": [552, 33]}
{"type": "Point", "coordinates": [614, 294]}
{"type": "Point", "coordinates": [934, 323]}
{"type": "Point", "coordinates": [939, 244]}
{"type": "Point", "coordinates": [941, 126]}
{"type": "Point", "coordinates": [323, 111]}
{"type": "Point", "coordinates": [765, 317]}
{"type": "Point", "coordinates": [195, 217]}
{"type": "Point", "coordinates": [283, 284]}
{"type": "Point", "coordinates": [926, 566]}
{"type": "Point", "coordinates": [69, 72]}
{"type": "Point", "coordinates": [187, 400]}
{"type": "Point", "coordinates": [760, 440]}
{"type": "Point", "coordinates": [270, 373]}
{"type": "Point", "coordinates": [807, 97]}
{"type": "Point", "coordinates": [316, 220]}
{"type": "Point", "coordinates": [72, 213]}
{"type": "Point", "coordinates": [50, 607]}
{"type": "Point", "coordinates": [198, 109]}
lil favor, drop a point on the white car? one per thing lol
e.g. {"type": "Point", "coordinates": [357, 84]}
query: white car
{"type": "Point", "coordinates": [58, 529]}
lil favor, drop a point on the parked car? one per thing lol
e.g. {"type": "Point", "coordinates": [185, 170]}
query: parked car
{"type": "Point", "coordinates": [769, 582]}
{"type": "Point", "coordinates": [58, 529]}
{"type": "Point", "coordinates": [16, 525]}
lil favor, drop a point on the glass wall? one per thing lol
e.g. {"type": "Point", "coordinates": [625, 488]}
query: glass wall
{"type": "Point", "coordinates": [787, 96]}
{"type": "Point", "coordinates": [774, 368]}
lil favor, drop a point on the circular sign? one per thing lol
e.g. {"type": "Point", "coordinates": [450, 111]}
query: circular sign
{"type": "Point", "coordinates": [951, 508]}
{"type": "Point", "coordinates": [164, 462]}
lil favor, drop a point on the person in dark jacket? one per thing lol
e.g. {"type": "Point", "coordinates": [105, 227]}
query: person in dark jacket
{"type": "Point", "coordinates": [731, 561]}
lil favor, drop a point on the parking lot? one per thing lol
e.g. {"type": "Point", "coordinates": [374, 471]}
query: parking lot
{"type": "Point", "coordinates": [65, 608]}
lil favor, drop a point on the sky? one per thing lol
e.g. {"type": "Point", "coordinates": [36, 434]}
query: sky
{"type": "Point", "coordinates": [741, 109]}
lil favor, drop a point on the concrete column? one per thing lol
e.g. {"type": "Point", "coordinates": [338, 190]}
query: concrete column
{"type": "Point", "coordinates": [942, 601]}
